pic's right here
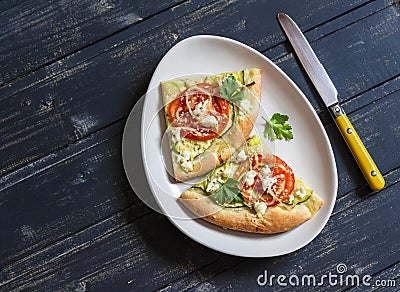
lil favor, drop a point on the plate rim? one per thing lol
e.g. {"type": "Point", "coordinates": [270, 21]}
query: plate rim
{"type": "Point", "coordinates": [333, 165]}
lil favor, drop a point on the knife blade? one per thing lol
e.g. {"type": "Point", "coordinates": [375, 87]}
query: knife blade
{"type": "Point", "coordinates": [327, 90]}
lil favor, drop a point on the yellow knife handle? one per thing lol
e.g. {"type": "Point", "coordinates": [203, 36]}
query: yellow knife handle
{"type": "Point", "coordinates": [360, 153]}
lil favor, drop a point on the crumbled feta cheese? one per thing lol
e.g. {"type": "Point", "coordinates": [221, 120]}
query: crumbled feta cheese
{"type": "Point", "coordinates": [175, 135]}
{"type": "Point", "coordinates": [200, 108]}
{"type": "Point", "coordinates": [184, 161]}
{"type": "Point", "coordinates": [267, 181]}
{"type": "Point", "coordinates": [245, 105]}
{"type": "Point", "coordinates": [291, 198]}
{"type": "Point", "coordinates": [260, 208]}
{"type": "Point", "coordinates": [213, 186]}
{"type": "Point", "coordinates": [186, 155]}
{"type": "Point", "coordinates": [301, 192]}
{"type": "Point", "coordinates": [210, 122]}
{"type": "Point", "coordinates": [241, 156]}
{"type": "Point", "coordinates": [265, 171]}
{"type": "Point", "coordinates": [229, 171]}
{"type": "Point", "coordinates": [187, 165]}
{"type": "Point", "coordinates": [249, 177]}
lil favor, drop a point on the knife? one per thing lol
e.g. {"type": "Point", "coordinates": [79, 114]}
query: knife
{"type": "Point", "coordinates": [328, 93]}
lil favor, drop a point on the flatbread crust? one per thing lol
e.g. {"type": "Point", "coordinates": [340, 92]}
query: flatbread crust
{"type": "Point", "coordinates": [277, 219]}
{"type": "Point", "coordinates": [222, 147]}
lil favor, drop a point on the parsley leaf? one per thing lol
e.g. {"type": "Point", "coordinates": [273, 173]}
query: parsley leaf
{"type": "Point", "coordinates": [229, 193]}
{"type": "Point", "coordinates": [278, 128]}
{"type": "Point", "coordinates": [230, 89]}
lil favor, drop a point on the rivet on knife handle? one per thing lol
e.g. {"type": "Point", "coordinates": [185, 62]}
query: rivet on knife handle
{"type": "Point", "coordinates": [360, 153]}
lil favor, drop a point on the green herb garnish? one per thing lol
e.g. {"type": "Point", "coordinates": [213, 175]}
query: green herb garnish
{"type": "Point", "coordinates": [230, 89]}
{"type": "Point", "coordinates": [278, 128]}
{"type": "Point", "coordinates": [229, 193]}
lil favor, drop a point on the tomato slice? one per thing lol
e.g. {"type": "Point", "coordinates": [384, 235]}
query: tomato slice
{"type": "Point", "coordinates": [180, 112]}
{"type": "Point", "coordinates": [283, 174]}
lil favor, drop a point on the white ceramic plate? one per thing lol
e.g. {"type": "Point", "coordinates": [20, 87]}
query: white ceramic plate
{"type": "Point", "coordinates": [309, 153]}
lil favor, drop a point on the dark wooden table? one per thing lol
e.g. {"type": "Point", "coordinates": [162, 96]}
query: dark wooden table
{"type": "Point", "coordinates": [70, 73]}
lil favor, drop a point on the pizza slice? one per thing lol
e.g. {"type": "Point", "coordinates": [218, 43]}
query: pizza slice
{"type": "Point", "coordinates": [254, 191]}
{"type": "Point", "coordinates": [209, 118]}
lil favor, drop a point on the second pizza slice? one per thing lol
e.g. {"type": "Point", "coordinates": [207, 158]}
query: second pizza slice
{"type": "Point", "coordinates": [209, 118]}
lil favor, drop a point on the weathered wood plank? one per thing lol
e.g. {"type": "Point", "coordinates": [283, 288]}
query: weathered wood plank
{"type": "Point", "coordinates": [60, 156]}
{"type": "Point", "coordinates": [108, 253]}
{"type": "Point", "coordinates": [69, 208]}
{"type": "Point", "coordinates": [357, 195]}
{"type": "Point", "coordinates": [9, 4]}
{"type": "Point", "coordinates": [344, 54]}
{"type": "Point", "coordinates": [128, 255]}
{"type": "Point", "coordinates": [75, 25]}
{"type": "Point", "coordinates": [391, 273]}
{"type": "Point", "coordinates": [283, 50]}
{"type": "Point", "coordinates": [347, 238]}
{"type": "Point", "coordinates": [379, 129]}
{"type": "Point", "coordinates": [69, 244]}
{"type": "Point", "coordinates": [35, 33]}
{"type": "Point", "coordinates": [386, 89]}
{"type": "Point", "coordinates": [74, 193]}
{"type": "Point", "coordinates": [372, 95]}
{"type": "Point", "coordinates": [60, 104]}
{"type": "Point", "coordinates": [201, 276]}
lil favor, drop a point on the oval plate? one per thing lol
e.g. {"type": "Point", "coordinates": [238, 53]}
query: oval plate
{"type": "Point", "coordinates": [309, 153]}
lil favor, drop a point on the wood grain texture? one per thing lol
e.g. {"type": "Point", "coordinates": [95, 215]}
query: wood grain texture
{"type": "Point", "coordinates": [9, 4]}
{"type": "Point", "coordinates": [378, 127]}
{"type": "Point", "coordinates": [62, 27]}
{"type": "Point", "coordinates": [78, 184]}
{"type": "Point", "coordinates": [128, 255]}
{"type": "Point", "coordinates": [357, 57]}
{"type": "Point", "coordinates": [70, 194]}
{"type": "Point", "coordinates": [75, 103]}
{"type": "Point", "coordinates": [70, 221]}
{"type": "Point", "coordinates": [391, 273]}
{"type": "Point", "coordinates": [348, 236]}
{"type": "Point", "coordinates": [35, 33]}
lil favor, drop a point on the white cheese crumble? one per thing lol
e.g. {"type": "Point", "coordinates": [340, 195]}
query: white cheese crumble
{"type": "Point", "coordinates": [301, 192]}
{"type": "Point", "coordinates": [267, 181]}
{"type": "Point", "coordinates": [265, 171]}
{"type": "Point", "coordinates": [291, 198]}
{"type": "Point", "coordinates": [210, 122]}
{"type": "Point", "coordinates": [260, 208]}
{"type": "Point", "coordinates": [175, 135]}
{"type": "Point", "coordinates": [184, 161]}
{"type": "Point", "coordinates": [249, 177]}
{"type": "Point", "coordinates": [241, 156]}
{"type": "Point", "coordinates": [213, 186]}
{"type": "Point", "coordinates": [200, 109]}
{"type": "Point", "coordinates": [229, 171]}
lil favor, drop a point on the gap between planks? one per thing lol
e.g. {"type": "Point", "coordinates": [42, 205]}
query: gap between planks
{"type": "Point", "coordinates": [80, 146]}
{"type": "Point", "coordinates": [60, 58]}
{"type": "Point", "coordinates": [122, 117]}
{"type": "Point", "coordinates": [392, 175]}
{"type": "Point", "coordinates": [263, 50]}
